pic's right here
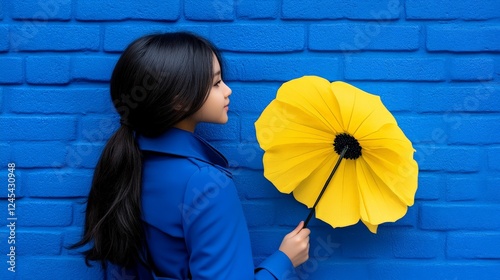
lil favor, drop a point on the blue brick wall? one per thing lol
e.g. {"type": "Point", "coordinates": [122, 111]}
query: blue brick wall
{"type": "Point", "coordinates": [435, 63]}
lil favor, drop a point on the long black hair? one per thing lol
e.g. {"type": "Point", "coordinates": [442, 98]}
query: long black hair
{"type": "Point", "coordinates": [159, 80]}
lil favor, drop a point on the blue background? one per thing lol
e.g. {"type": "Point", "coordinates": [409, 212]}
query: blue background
{"type": "Point", "coordinates": [435, 63]}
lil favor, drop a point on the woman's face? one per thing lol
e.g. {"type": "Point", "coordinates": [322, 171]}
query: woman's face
{"type": "Point", "coordinates": [215, 108]}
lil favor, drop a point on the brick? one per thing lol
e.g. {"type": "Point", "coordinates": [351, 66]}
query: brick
{"type": "Point", "coordinates": [155, 10]}
{"type": "Point", "coordinates": [41, 10]}
{"type": "Point", "coordinates": [457, 38]}
{"type": "Point", "coordinates": [494, 158]}
{"type": "Point", "coordinates": [276, 68]}
{"type": "Point", "coordinates": [242, 155]}
{"type": "Point", "coordinates": [324, 245]}
{"type": "Point", "coordinates": [1, 101]}
{"type": "Point", "coordinates": [422, 128]}
{"type": "Point", "coordinates": [4, 38]}
{"type": "Point", "coordinates": [48, 69]}
{"type": "Point", "coordinates": [72, 266]}
{"type": "Point", "coordinates": [38, 154]}
{"type": "Point", "coordinates": [215, 132]}
{"type": "Point", "coordinates": [417, 245]}
{"type": "Point", "coordinates": [395, 69]}
{"type": "Point", "coordinates": [396, 97]}
{"type": "Point", "coordinates": [83, 155]}
{"type": "Point", "coordinates": [472, 69]}
{"type": "Point", "coordinates": [84, 68]}
{"type": "Point", "coordinates": [5, 214]}
{"type": "Point", "coordinates": [448, 9]}
{"type": "Point", "coordinates": [473, 245]}
{"type": "Point", "coordinates": [459, 216]}
{"type": "Point", "coordinates": [448, 158]}
{"type": "Point", "coordinates": [19, 183]}
{"type": "Point", "coordinates": [431, 270]}
{"type": "Point", "coordinates": [97, 129]}
{"type": "Point", "coordinates": [367, 36]}
{"type": "Point", "coordinates": [357, 269]}
{"type": "Point", "coordinates": [475, 130]}
{"type": "Point", "coordinates": [47, 183]}
{"type": "Point", "coordinates": [5, 157]}
{"type": "Point", "coordinates": [259, 213]}
{"type": "Point", "coordinates": [34, 128]}
{"type": "Point", "coordinates": [253, 185]}
{"type": "Point", "coordinates": [1, 9]}
{"type": "Point", "coordinates": [492, 191]}
{"type": "Point", "coordinates": [259, 38]}
{"type": "Point", "coordinates": [250, 98]}
{"type": "Point", "coordinates": [364, 244]}
{"type": "Point", "coordinates": [380, 10]}
{"type": "Point", "coordinates": [260, 9]}
{"type": "Point", "coordinates": [266, 241]}
{"type": "Point", "coordinates": [248, 128]}
{"type": "Point", "coordinates": [102, 10]}
{"type": "Point", "coordinates": [71, 236]}
{"type": "Point", "coordinates": [79, 209]}
{"type": "Point", "coordinates": [463, 188]}
{"type": "Point", "coordinates": [11, 71]}
{"type": "Point", "coordinates": [99, 10]}
{"type": "Point", "coordinates": [476, 98]}
{"type": "Point", "coordinates": [289, 212]}
{"type": "Point", "coordinates": [317, 268]}
{"type": "Point", "coordinates": [33, 36]}
{"type": "Point", "coordinates": [117, 37]}
{"type": "Point", "coordinates": [38, 242]}
{"type": "Point", "coordinates": [56, 100]}
{"type": "Point", "coordinates": [44, 214]}
{"type": "Point", "coordinates": [209, 10]}
{"type": "Point", "coordinates": [429, 187]}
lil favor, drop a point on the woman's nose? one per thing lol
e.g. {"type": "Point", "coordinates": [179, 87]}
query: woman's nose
{"type": "Point", "coordinates": [229, 91]}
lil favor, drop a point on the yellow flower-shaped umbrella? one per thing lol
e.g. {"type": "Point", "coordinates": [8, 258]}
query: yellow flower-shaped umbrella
{"type": "Point", "coordinates": [311, 126]}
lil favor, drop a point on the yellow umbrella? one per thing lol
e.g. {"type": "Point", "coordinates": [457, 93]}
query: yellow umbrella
{"type": "Point", "coordinates": [311, 126]}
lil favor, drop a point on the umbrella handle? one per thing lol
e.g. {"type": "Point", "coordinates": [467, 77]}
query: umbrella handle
{"type": "Point", "coordinates": [309, 217]}
{"type": "Point", "coordinates": [342, 154]}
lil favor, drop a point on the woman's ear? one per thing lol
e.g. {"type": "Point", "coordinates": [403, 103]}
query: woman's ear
{"type": "Point", "coordinates": [179, 107]}
{"type": "Point", "coordinates": [178, 104]}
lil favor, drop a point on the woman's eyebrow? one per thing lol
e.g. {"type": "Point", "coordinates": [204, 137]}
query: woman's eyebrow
{"type": "Point", "coordinates": [217, 73]}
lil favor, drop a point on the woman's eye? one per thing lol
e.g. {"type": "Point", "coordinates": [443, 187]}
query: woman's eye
{"type": "Point", "coordinates": [217, 83]}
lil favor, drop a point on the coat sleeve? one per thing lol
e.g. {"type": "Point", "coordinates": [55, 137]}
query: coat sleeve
{"type": "Point", "coordinates": [216, 232]}
{"type": "Point", "coordinates": [277, 266]}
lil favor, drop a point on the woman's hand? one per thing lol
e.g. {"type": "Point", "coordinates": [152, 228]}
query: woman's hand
{"type": "Point", "coordinates": [296, 245]}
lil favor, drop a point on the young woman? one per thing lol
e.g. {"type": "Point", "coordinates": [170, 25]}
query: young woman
{"type": "Point", "coordinates": [162, 201]}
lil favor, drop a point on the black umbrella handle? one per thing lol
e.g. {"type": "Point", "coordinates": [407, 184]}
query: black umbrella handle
{"type": "Point", "coordinates": [342, 154]}
{"type": "Point", "coordinates": [309, 217]}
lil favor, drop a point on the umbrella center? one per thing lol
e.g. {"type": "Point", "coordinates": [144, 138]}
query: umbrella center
{"type": "Point", "coordinates": [343, 139]}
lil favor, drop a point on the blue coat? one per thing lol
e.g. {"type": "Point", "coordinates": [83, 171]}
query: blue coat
{"type": "Point", "coordinates": [193, 219]}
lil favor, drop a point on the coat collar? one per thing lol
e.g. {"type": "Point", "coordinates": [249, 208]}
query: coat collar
{"type": "Point", "coordinates": [183, 143]}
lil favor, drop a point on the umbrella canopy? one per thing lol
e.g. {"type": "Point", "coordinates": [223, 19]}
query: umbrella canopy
{"type": "Point", "coordinates": [306, 128]}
